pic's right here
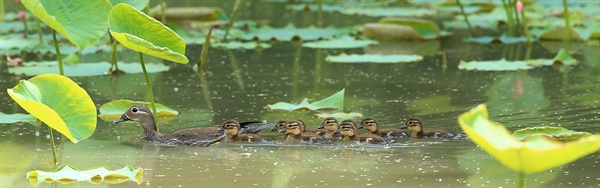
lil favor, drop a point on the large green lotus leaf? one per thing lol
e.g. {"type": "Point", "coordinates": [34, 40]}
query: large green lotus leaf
{"type": "Point", "coordinates": [373, 58]}
{"type": "Point", "coordinates": [241, 45]}
{"type": "Point", "coordinates": [82, 22]}
{"type": "Point", "coordinates": [556, 133]}
{"type": "Point", "coordinates": [82, 69]}
{"type": "Point", "coordinates": [389, 12]}
{"type": "Point", "coordinates": [339, 43]}
{"type": "Point", "coordinates": [494, 65]}
{"type": "Point", "coordinates": [138, 4]}
{"type": "Point", "coordinates": [333, 102]}
{"type": "Point", "coordinates": [141, 33]}
{"type": "Point", "coordinates": [17, 117]}
{"type": "Point", "coordinates": [59, 102]}
{"type": "Point", "coordinates": [113, 110]}
{"type": "Point", "coordinates": [67, 174]}
{"type": "Point", "coordinates": [534, 155]}
{"type": "Point", "coordinates": [290, 32]}
{"type": "Point", "coordinates": [426, 28]}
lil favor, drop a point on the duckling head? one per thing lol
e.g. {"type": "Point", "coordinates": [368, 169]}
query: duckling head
{"type": "Point", "coordinates": [231, 127]}
{"type": "Point", "coordinates": [347, 128]}
{"type": "Point", "coordinates": [293, 127]}
{"type": "Point", "coordinates": [330, 124]}
{"type": "Point", "coordinates": [415, 124]}
{"type": "Point", "coordinates": [279, 125]}
{"type": "Point", "coordinates": [370, 124]}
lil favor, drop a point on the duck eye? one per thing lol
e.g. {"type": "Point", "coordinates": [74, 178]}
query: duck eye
{"type": "Point", "coordinates": [134, 109]}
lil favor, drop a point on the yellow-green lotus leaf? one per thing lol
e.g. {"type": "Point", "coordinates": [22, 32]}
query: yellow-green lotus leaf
{"type": "Point", "coordinates": [67, 174]}
{"type": "Point", "coordinates": [139, 32]}
{"type": "Point", "coordinates": [534, 155]}
{"type": "Point", "coordinates": [58, 102]}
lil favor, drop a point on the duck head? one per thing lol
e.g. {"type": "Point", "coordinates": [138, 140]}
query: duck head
{"type": "Point", "coordinates": [347, 128]}
{"type": "Point", "coordinates": [330, 124]}
{"type": "Point", "coordinates": [414, 124]}
{"type": "Point", "coordinates": [279, 125]}
{"type": "Point", "coordinates": [231, 127]}
{"type": "Point", "coordinates": [141, 114]}
{"type": "Point", "coordinates": [293, 127]}
{"type": "Point", "coordinates": [370, 124]}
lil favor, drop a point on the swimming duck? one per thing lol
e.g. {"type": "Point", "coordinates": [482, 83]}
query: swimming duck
{"type": "Point", "coordinates": [348, 129]}
{"type": "Point", "coordinates": [296, 132]}
{"type": "Point", "coordinates": [416, 125]}
{"type": "Point", "coordinates": [330, 124]}
{"type": "Point", "coordinates": [141, 114]}
{"type": "Point", "coordinates": [232, 127]}
{"type": "Point", "coordinates": [316, 131]}
{"type": "Point", "coordinates": [372, 126]}
{"type": "Point", "coordinates": [279, 126]}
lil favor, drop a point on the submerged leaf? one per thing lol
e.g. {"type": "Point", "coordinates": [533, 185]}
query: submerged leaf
{"type": "Point", "coordinates": [114, 109]}
{"type": "Point", "coordinates": [556, 133]}
{"type": "Point", "coordinates": [241, 45]}
{"type": "Point", "coordinates": [373, 58]}
{"type": "Point", "coordinates": [67, 174]}
{"type": "Point", "coordinates": [291, 32]}
{"type": "Point", "coordinates": [139, 32]}
{"type": "Point", "coordinates": [82, 69]}
{"type": "Point", "coordinates": [59, 102]}
{"type": "Point", "coordinates": [534, 155]}
{"type": "Point", "coordinates": [427, 29]}
{"type": "Point", "coordinates": [17, 117]}
{"type": "Point", "coordinates": [381, 31]}
{"type": "Point", "coordinates": [333, 102]}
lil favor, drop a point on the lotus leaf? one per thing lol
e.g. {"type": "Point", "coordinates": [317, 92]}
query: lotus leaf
{"type": "Point", "coordinates": [59, 102]}
{"type": "Point", "coordinates": [427, 29]}
{"type": "Point", "coordinates": [290, 32]}
{"type": "Point", "coordinates": [314, 7]}
{"type": "Point", "coordinates": [139, 32]}
{"type": "Point", "coordinates": [241, 45]}
{"type": "Point", "coordinates": [339, 43]}
{"type": "Point", "coordinates": [67, 174]}
{"type": "Point", "coordinates": [333, 102]}
{"type": "Point", "coordinates": [534, 155]}
{"type": "Point", "coordinates": [495, 65]}
{"type": "Point", "coordinates": [340, 115]}
{"type": "Point", "coordinates": [17, 117]}
{"type": "Point", "coordinates": [556, 133]}
{"type": "Point", "coordinates": [138, 4]}
{"type": "Point", "coordinates": [388, 12]}
{"type": "Point", "coordinates": [504, 38]}
{"type": "Point", "coordinates": [373, 58]}
{"type": "Point", "coordinates": [82, 69]}
{"type": "Point", "coordinates": [562, 58]}
{"type": "Point", "coordinates": [381, 31]}
{"type": "Point", "coordinates": [82, 22]}
{"type": "Point", "coordinates": [113, 110]}
{"type": "Point", "coordinates": [17, 43]}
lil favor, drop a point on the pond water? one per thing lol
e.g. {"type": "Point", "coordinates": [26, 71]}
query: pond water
{"type": "Point", "coordinates": [239, 84]}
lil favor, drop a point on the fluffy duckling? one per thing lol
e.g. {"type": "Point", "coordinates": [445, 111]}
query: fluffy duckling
{"type": "Point", "coordinates": [279, 126]}
{"type": "Point", "coordinates": [316, 131]}
{"type": "Point", "coordinates": [416, 125]}
{"type": "Point", "coordinates": [232, 128]}
{"type": "Point", "coordinates": [348, 129]}
{"type": "Point", "coordinates": [372, 126]}
{"type": "Point", "coordinates": [141, 114]}
{"type": "Point", "coordinates": [296, 132]}
{"type": "Point", "coordinates": [330, 124]}
{"type": "Point", "coordinates": [246, 128]}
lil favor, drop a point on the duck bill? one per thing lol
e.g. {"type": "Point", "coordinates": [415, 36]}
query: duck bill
{"type": "Point", "coordinates": [221, 129]}
{"type": "Point", "coordinates": [360, 126]}
{"type": "Point", "coordinates": [121, 119]}
{"type": "Point", "coordinates": [403, 127]}
{"type": "Point", "coordinates": [337, 131]}
{"type": "Point", "coordinates": [274, 129]}
{"type": "Point", "coordinates": [321, 126]}
{"type": "Point", "coordinates": [283, 130]}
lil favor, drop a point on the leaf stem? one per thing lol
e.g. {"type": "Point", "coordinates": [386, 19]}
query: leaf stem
{"type": "Point", "coordinates": [52, 145]}
{"type": "Point", "coordinates": [525, 26]}
{"type": "Point", "coordinates": [149, 84]}
{"type": "Point", "coordinates": [58, 56]}
{"type": "Point", "coordinates": [204, 53]}
{"type": "Point", "coordinates": [521, 180]}
{"type": "Point", "coordinates": [462, 10]}
{"type": "Point", "coordinates": [320, 13]}
{"type": "Point", "coordinates": [39, 28]}
{"type": "Point", "coordinates": [509, 16]}
{"type": "Point", "coordinates": [233, 15]}
{"type": "Point", "coordinates": [566, 15]}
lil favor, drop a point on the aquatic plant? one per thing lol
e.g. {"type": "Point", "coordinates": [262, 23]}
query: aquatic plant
{"type": "Point", "coordinates": [67, 174]}
{"type": "Point", "coordinates": [142, 33]}
{"type": "Point", "coordinates": [536, 154]}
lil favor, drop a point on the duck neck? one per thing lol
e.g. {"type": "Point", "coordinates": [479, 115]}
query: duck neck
{"type": "Point", "coordinates": [150, 132]}
{"type": "Point", "coordinates": [417, 134]}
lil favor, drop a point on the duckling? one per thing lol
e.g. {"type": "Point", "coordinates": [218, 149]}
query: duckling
{"type": "Point", "coordinates": [279, 126]}
{"type": "Point", "coordinates": [372, 126]}
{"type": "Point", "coordinates": [348, 129]}
{"type": "Point", "coordinates": [295, 130]}
{"type": "Point", "coordinates": [141, 114]}
{"type": "Point", "coordinates": [316, 131]}
{"type": "Point", "coordinates": [232, 127]}
{"type": "Point", "coordinates": [330, 124]}
{"type": "Point", "coordinates": [416, 125]}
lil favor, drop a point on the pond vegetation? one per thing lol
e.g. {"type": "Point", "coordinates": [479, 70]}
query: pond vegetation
{"type": "Point", "coordinates": [516, 79]}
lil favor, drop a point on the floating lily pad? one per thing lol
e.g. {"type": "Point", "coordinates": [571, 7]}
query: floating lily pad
{"type": "Point", "coordinates": [504, 38]}
{"type": "Point", "coordinates": [67, 174]}
{"type": "Point", "coordinates": [534, 155]}
{"type": "Point", "coordinates": [17, 117]}
{"type": "Point", "coordinates": [290, 32]}
{"type": "Point", "coordinates": [241, 45]}
{"type": "Point", "coordinates": [82, 69]}
{"type": "Point", "coordinates": [556, 133]}
{"type": "Point", "coordinates": [373, 58]}
{"type": "Point", "coordinates": [314, 7]}
{"type": "Point", "coordinates": [494, 65]}
{"type": "Point", "coordinates": [562, 58]}
{"type": "Point", "coordinates": [139, 32]}
{"type": "Point", "coordinates": [333, 102]}
{"type": "Point", "coordinates": [58, 102]}
{"type": "Point", "coordinates": [113, 110]}
{"type": "Point", "coordinates": [339, 43]}
{"type": "Point", "coordinates": [389, 12]}
{"type": "Point", "coordinates": [340, 115]}
{"type": "Point", "coordinates": [82, 22]}
{"type": "Point", "coordinates": [381, 31]}
{"type": "Point", "coordinates": [426, 29]}
{"type": "Point", "coordinates": [17, 44]}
